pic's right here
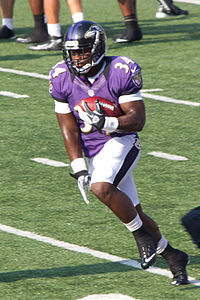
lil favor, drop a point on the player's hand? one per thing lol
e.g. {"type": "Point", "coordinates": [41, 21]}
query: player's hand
{"type": "Point", "coordinates": [95, 118]}
{"type": "Point", "coordinates": [84, 179]}
{"type": "Point", "coordinates": [83, 115]}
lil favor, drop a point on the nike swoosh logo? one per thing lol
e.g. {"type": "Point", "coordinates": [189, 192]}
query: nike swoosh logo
{"type": "Point", "coordinates": [150, 258]}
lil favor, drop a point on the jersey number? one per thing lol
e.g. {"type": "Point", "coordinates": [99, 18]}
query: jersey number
{"type": "Point", "coordinates": [124, 66]}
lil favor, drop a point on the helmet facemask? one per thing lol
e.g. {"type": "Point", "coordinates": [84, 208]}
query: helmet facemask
{"type": "Point", "coordinates": [80, 60]}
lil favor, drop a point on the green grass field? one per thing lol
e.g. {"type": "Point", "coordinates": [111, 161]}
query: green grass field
{"type": "Point", "coordinates": [45, 200]}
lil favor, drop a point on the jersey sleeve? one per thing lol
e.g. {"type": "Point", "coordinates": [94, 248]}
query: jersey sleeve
{"type": "Point", "coordinates": [130, 98]}
{"type": "Point", "coordinates": [57, 81]}
{"type": "Point", "coordinates": [126, 76]}
{"type": "Point", "coordinates": [61, 107]}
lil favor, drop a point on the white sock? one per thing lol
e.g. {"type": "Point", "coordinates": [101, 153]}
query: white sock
{"type": "Point", "coordinates": [77, 17]}
{"type": "Point", "coordinates": [8, 22]}
{"type": "Point", "coordinates": [162, 244]}
{"type": "Point", "coordinates": [54, 29]}
{"type": "Point", "coordinates": [135, 224]}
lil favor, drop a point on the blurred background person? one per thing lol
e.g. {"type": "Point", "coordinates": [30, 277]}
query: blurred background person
{"type": "Point", "coordinates": [40, 33]}
{"type": "Point", "coordinates": [52, 10]}
{"type": "Point", "coordinates": [6, 31]}
{"type": "Point", "coordinates": [48, 36]}
{"type": "Point", "coordinates": [168, 9]}
{"type": "Point", "coordinates": [40, 29]}
{"type": "Point", "coordinates": [47, 29]}
{"type": "Point", "coordinates": [133, 31]}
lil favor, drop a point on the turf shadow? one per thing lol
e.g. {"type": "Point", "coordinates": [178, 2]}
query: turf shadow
{"type": "Point", "coordinates": [71, 271]}
{"type": "Point", "coordinates": [35, 55]}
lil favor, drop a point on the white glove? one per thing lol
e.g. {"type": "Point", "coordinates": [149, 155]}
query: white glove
{"type": "Point", "coordinates": [83, 115]}
{"type": "Point", "coordinates": [95, 117]}
{"type": "Point", "coordinates": [84, 179]}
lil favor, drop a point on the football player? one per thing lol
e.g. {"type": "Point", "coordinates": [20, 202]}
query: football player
{"type": "Point", "coordinates": [111, 144]}
{"type": "Point", "coordinates": [52, 10]}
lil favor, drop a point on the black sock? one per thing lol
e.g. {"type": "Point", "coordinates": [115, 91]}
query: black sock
{"type": "Point", "coordinates": [40, 25]}
{"type": "Point", "coordinates": [139, 233]}
{"type": "Point", "coordinates": [39, 20]}
{"type": "Point", "coordinates": [133, 31]}
{"type": "Point", "coordinates": [130, 21]}
{"type": "Point", "coordinates": [167, 252]}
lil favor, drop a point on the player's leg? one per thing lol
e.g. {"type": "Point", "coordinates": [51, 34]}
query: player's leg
{"type": "Point", "coordinates": [52, 11]}
{"type": "Point", "coordinates": [118, 157]}
{"type": "Point", "coordinates": [123, 208]}
{"type": "Point", "coordinates": [54, 41]}
{"type": "Point", "coordinates": [76, 10]}
{"type": "Point", "coordinates": [39, 33]}
{"type": "Point", "coordinates": [7, 8]}
{"type": "Point", "coordinates": [168, 9]}
{"type": "Point", "coordinates": [176, 259]}
{"type": "Point", "coordinates": [133, 31]}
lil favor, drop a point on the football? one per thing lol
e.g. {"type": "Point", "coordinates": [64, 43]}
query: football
{"type": "Point", "coordinates": [110, 108]}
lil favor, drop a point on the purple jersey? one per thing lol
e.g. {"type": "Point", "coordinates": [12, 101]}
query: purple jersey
{"type": "Point", "coordinates": [121, 76]}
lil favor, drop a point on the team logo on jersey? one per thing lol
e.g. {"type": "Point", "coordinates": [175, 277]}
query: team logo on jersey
{"type": "Point", "coordinates": [91, 93]}
{"type": "Point", "coordinates": [137, 144]}
{"type": "Point", "coordinates": [137, 78]}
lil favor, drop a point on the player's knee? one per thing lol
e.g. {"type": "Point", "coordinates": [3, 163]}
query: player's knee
{"type": "Point", "coordinates": [103, 191]}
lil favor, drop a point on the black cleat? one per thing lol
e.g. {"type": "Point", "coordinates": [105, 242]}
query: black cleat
{"type": "Point", "coordinates": [177, 262]}
{"type": "Point", "coordinates": [33, 39]}
{"type": "Point", "coordinates": [128, 37]}
{"type": "Point", "coordinates": [53, 43]}
{"type": "Point", "coordinates": [173, 11]}
{"type": "Point", "coordinates": [146, 247]}
{"type": "Point", "coordinates": [6, 33]}
{"type": "Point", "coordinates": [147, 255]}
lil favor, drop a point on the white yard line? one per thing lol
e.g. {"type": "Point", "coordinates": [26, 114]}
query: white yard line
{"type": "Point", "coordinates": [108, 297]}
{"type": "Point", "coordinates": [168, 156]}
{"type": "Point", "coordinates": [143, 92]}
{"type": "Point", "coordinates": [170, 100]}
{"type": "Point", "coordinates": [151, 90]}
{"type": "Point", "coordinates": [49, 162]}
{"type": "Point", "coordinates": [54, 163]}
{"type": "Point", "coordinates": [12, 95]}
{"type": "Point", "coordinates": [18, 72]}
{"type": "Point", "coordinates": [85, 250]}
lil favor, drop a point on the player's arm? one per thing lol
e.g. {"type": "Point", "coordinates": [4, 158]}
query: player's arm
{"type": "Point", "coordinates": [70, 132]}
{"type": "Point", "coordinates": [134, 116]}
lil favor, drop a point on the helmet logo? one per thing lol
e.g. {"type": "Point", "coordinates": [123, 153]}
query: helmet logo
{"type": "Point", "coordinates": [92, 31]}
